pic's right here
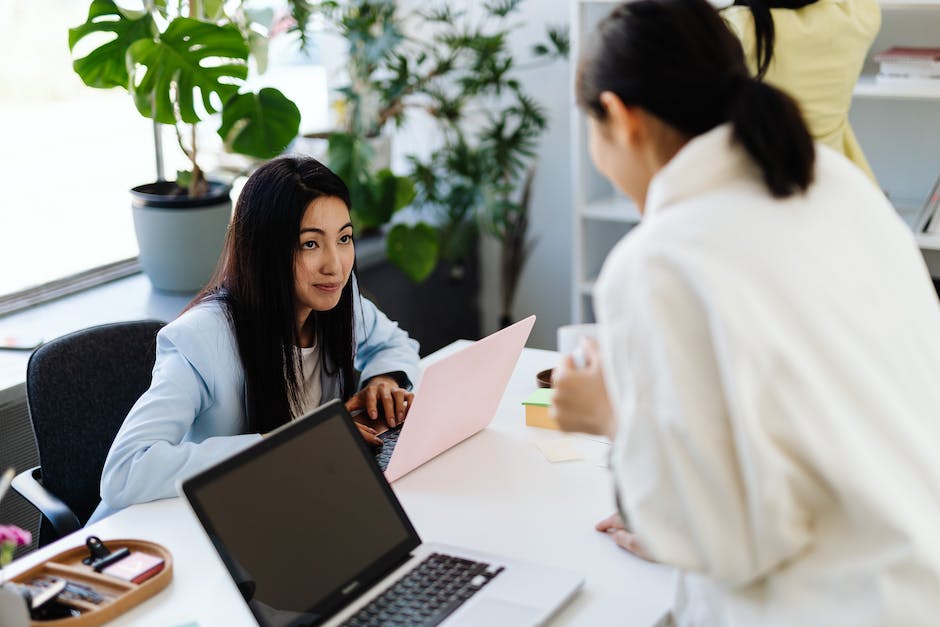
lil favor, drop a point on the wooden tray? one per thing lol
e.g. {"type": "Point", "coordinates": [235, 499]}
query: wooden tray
{"type": "Point", "coordinates": [120, 595]}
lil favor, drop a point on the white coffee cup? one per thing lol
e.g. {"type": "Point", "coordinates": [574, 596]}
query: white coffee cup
{"type": "Point", "coordinates": [569, 338]}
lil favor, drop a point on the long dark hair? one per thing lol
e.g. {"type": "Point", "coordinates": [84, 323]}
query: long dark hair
{"type": "Point", "coordinates": [764, 33]}
{"type": "Point", "coordinates": [678, 60]}
{"type": "Point", "coordinates": [255, 284]}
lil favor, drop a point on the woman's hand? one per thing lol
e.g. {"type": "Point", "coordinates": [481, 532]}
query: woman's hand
{"type": "Point", "coordinates": [614, 527]}
{"type": "Point", "coordinates": [580, 401]}
{"type": "Point", "coordinates": [368, 434]}
{"type": "Point", "coordinates": [382, 391]}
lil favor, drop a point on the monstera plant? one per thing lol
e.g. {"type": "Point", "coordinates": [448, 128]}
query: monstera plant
{"type": "Point", "coordinates": [183, 63]}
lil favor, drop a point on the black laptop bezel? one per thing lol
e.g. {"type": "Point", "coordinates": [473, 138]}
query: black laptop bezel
{"type": "Point", "coordinates": [364, 580]}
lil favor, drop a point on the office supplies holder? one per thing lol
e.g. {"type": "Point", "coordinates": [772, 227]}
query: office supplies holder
{"type": "Point", "coordinates": [119, 595]}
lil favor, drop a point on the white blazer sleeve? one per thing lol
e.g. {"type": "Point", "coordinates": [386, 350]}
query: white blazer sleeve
{"type": "Point", "coordinates": [149, 454]}
{"type": "Point", "coordinates": [689, 470]}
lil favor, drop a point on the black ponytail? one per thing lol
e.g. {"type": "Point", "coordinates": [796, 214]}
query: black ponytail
{"type": "Point", "coordinates": [768, 123]}
{"type": "Point", "coordinates": [764, 33]}
{"type": "Point", "coordinates": [678, 60]}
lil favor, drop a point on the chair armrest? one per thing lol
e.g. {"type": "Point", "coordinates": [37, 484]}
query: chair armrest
{"type": "Point", "coordinates": [28, 485]}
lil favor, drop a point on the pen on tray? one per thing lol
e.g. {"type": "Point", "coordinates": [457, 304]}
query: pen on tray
{"type": "Point", "coordinates": [115, 556]}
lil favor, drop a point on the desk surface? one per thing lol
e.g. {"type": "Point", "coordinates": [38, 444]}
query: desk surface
{"type": "Point", "coordinates": [494, 492]}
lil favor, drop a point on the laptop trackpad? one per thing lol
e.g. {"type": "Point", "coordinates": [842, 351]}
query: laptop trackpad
{"type": "Point", "coordinates": [495, 613]}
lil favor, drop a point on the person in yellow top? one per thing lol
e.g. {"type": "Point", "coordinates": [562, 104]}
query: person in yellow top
{"type": "Point", "coordinates": [814, 50]}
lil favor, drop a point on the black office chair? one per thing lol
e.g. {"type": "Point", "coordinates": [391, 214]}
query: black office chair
{"type": "Point", "coordinates": [79, 389]}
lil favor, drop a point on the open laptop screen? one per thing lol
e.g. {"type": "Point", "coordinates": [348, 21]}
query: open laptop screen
{"type": "Point", "coordinates": [303, 520]}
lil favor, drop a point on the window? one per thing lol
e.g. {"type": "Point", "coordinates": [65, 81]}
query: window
{"type": "Point", "coordinates": [70, 153]}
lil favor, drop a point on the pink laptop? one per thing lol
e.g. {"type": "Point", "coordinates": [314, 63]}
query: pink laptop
{"type": "Point", "coordinates": [457, 397]}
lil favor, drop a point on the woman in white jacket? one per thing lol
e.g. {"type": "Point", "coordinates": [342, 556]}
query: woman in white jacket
{"type": "Point", "coordinates": [769, 344]}
{"type": "Point", "coordinates": [279, 330]}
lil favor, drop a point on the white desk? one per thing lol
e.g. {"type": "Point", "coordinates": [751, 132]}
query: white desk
{"type": "Point", "coordinates": [494, 492]}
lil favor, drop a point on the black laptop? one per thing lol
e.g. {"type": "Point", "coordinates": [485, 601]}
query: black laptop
{"type": "Point", "coordinates": [311, 533]}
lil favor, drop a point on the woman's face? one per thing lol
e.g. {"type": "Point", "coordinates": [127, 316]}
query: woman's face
{"type": "Point", "coordinates": [324, 257]}
{"type": "Point", "coordinates": [617, 159]}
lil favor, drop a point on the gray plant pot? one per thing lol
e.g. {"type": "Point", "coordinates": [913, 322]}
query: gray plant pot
{"type": "Point", "coordinates": [13, 612]}
{"type": "Point", "coordinates": [180, 238]}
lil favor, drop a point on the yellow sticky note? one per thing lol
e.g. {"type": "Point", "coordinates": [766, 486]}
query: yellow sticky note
{"type": "Point", "coordinates": [536, 409]}
{"type": "Point", "coordinates": [559, 450]}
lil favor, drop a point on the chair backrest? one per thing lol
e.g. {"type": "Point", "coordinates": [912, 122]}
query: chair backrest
{"type": "Point", "coordinates": [79, 389]}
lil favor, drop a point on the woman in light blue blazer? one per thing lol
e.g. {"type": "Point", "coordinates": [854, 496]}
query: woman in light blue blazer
{"type": "Point", "coordinates": [279, 330]}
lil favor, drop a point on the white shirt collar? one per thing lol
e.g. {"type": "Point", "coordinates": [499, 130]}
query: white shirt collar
{"type": "Point", "coordinates": [708, 161]}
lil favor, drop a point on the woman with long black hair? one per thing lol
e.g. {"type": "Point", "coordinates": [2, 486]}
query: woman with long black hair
{"type": "Point", "coordinates": [279, 330]}
{"type": "Point", "coordinates": [814, 50]}
{"type": "Point", "coordinates": [768, 343]}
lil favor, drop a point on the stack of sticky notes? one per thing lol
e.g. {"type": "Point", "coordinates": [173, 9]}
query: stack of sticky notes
{"type": "Point", "coordinates": [536, 409]}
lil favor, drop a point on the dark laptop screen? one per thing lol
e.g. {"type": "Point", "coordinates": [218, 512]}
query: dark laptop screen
{"type": "Point", "coordinates": [304, 521]}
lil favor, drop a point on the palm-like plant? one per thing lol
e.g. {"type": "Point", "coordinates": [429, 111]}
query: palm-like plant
{"type": "Point", "coordinates": [482, 175]}
{"type": "Point", "coordinates": [453, 67]}
{"type": "Point", "coordinates": [372, 31]}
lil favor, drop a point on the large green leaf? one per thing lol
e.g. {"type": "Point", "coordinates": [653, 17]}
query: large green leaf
{"type": "Point", "coordinates": [405, 192]}
{"type": "Point", "coordinates": [259, 125]}
{"type": "Point", "coordinates": [106, 65]}
{"type": "Point", "coordinates": [349, 157]}
{"type": "Point", "coordinates": [375, 196]}
{"type": "Point", "coordinates": [387, 194]}
{"type": "Point", "coordinates": [190, 55]}
{"type": "Point", "coordinates": [413, 249]}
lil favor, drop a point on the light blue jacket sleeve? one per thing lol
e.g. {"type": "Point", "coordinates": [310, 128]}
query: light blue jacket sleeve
{"type": "Point", "coordinates": [382, 346]}
{"type": "Point", "coordinates": [191, 417]}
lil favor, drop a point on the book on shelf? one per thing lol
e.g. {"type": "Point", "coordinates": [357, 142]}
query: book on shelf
{"type": "Point", "coordinates": [908, 65]}
{"type": "Point", "coordinates": [931, 70]}
{"type": "Point", "coordinates": [909, 56]}
{"type": "Point", "coordinates": [928, 219]}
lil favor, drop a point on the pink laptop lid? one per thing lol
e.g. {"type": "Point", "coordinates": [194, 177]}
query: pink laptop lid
{"type": "Point", "coordinates": [458, 397]}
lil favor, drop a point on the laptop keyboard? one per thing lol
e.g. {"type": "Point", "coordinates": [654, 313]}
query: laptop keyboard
{"type": "Point", "coordinates": [389, 440]}
{"type": "Point", "coordinates": [427, 594]}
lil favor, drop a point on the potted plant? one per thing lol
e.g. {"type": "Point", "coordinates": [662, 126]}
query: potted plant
{"type": "Point", "coordinates": [482, 174]}
{"type": "Point", "coordinates": [183, 62]}
{"type": "Point", "coordinates": [453, 68]}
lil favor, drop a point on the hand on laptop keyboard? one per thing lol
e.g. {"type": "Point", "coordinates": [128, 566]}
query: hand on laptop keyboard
{"type": "Point", "coordinates": [369, 435]}
{"type": "Point", "coordinates": [382, 394]}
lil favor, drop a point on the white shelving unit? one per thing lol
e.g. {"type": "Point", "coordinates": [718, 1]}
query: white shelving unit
{"type": "Point", "coordinates": [898, 126]}
{"type": "Point", "coordinates": [869, 87]}
{"type": "Point", "coordinates": [601, 214]}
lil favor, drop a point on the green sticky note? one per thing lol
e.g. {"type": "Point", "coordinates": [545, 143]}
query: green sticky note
{"type": "Point", "coordinates": [542, 397]}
